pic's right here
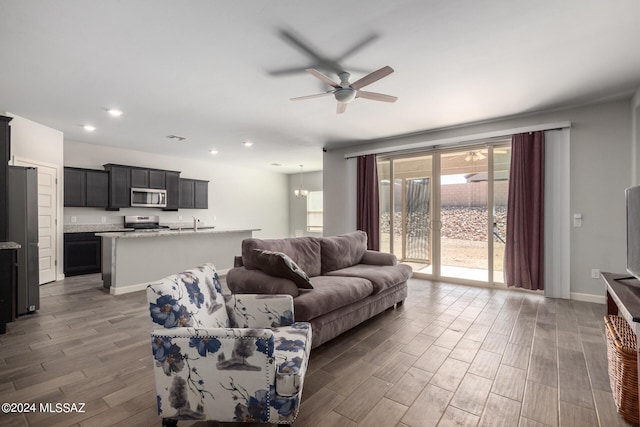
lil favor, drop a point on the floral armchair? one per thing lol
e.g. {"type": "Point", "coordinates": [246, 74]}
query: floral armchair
{"type": "Point", "coordinates": [232, 358]}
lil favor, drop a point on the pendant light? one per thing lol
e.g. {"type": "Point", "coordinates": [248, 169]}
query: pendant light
{"type": "Point", "coordinates": [301, 192]}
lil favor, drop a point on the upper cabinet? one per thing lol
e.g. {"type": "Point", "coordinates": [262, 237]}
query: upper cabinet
{"type": "Point", "coordinates": [119, 186]}
{"type": "Point", "coordinates": [149, 178]}
{"type": "Point", "coordinates": [194, 194]}
{"type": "Point", "coordinates": [172, 182]}
{"type": "Point", "coordinates": [111, 188]}
{"type": "Point", "coordinates": [86, 188]}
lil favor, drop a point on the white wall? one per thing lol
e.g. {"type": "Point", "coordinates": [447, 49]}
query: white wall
{"type": "Point", "coordinates": [635, 138]}
{"type": "Point", "coordinates": [601, 167]}
{"type": "Point", "coordinates": [40, 144]}
{"type": "Point", "coordinates": [238, 197]}
{"type": "Point", "coordinates": [298, 205]}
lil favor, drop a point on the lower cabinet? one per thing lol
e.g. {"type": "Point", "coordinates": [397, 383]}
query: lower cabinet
{"type": "Point", "coordinates": [9, 280]}
{"type": "Point", "coordinates": [82, 254]}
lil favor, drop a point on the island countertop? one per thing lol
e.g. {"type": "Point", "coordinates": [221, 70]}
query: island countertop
{"type": "Point", "coordinates": [172, 232]}
{"type": "Point", "coordinates": [9, 245]}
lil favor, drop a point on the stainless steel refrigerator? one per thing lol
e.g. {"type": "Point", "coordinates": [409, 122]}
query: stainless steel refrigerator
{"type": "Point", "coordinates": [22, 202]}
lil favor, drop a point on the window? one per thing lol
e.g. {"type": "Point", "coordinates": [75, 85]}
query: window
{"type": "Point", "coordinates": [314, 211]}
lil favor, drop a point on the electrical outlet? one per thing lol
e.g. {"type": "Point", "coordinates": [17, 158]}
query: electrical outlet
{"type": "Point", "coordinates": [595, 273]}
{"type": "Point", "coordinates": [74, 219]}
{"type": "Point", "coordinates": [179, 217]}
{"type": "Point", "coordinates": [103, 219]}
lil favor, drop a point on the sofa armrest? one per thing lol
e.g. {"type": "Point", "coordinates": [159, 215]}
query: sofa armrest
{"type": "Point", "coordinates": [241, 280]}
{"type": "Point", "coordinates": [378, 258]}
{"type": "Point", "coordinates": [259, 311]}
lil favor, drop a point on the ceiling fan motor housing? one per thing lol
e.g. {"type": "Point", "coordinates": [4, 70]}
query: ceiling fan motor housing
{"type": "Point", "coordinates": [344, 95]}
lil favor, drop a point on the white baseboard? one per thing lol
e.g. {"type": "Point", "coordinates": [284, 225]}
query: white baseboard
{"type": "Point", "coordinates": [120, 290]}
{"type": "Point", "coordinates": [598, 299]}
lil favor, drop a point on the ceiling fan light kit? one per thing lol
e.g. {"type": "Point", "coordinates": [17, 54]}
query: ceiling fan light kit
{"type": "Point", "coordinates": [346, 92]}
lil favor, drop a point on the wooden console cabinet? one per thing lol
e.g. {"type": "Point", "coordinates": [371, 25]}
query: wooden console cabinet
{"type": "Point", "coordinates": [623, 299]}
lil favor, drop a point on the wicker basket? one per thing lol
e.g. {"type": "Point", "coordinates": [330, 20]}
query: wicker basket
{"type": "Point", "coordinates": [623, 366]}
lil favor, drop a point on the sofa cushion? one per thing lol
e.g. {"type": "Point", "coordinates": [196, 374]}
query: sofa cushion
{"type": "Point", "coordinates": [381, 276]}
{"type": "Point", "coordinates": [241, 280]}
{"type": "Point", "coordinates": [304, 251]}
{"type": "Point", "coordinates": [329, 293]}
{"type": "Point", "coordinates": [280, 265]}
{"type": "Point", "coordinates": [342, 251]}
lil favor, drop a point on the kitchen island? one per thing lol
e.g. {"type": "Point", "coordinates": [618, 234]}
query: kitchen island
{"type": "Point", "coordinates": [131, 260]}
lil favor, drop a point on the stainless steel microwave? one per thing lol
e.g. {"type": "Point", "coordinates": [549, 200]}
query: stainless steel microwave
{"type": "Point", "coordinates": [148, 198]}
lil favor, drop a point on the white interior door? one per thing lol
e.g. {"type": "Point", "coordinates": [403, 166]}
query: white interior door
{"type": "Point", "coordinates": [47, 218]}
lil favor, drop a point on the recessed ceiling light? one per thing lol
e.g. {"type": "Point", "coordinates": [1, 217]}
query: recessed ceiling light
{"type": "Point", "coordinates": [213, 151]}
{"type": "Point", "coordinates": [89, 128]}
{"type": "Point", "coordinates": [114, 112]}
{"type": "Point", "coordinates": [276, 164]}
{"type": "Point", "coordinates": [247, 143]}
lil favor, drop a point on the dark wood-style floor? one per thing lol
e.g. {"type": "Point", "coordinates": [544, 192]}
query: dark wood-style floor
{"type": "Point", "coordinates": [452, 355]}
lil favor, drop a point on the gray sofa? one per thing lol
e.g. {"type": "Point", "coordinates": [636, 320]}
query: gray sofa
{"type": "Point", "coordinates": [335, 282]}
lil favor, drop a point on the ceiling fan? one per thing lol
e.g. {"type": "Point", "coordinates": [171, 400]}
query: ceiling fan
{"type": "Point", "coordinates": [345, 92]}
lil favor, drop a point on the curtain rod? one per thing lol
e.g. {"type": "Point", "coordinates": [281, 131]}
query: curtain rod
{"type": "Point", "coordinates": [459, 140]}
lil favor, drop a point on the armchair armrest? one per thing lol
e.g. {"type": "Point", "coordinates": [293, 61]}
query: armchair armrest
{"type": "Point", "coordinates": [205, 373]}
{"type": "Point", "coordinates": [259, 311]}
{"type": "Point", "coordinates": [378, 258]}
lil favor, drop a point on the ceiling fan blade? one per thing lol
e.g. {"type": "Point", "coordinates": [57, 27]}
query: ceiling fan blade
{"type": "Point", "coordinates": [342, 107]}
{"type": "Point", "coordinates": [322, 77]}
{"type": "Point", "coordinates": [372, 77]}
{"type": "Point", "coordinates": [376, 96]}
{"type": "Point", "coordinates": [318, 95]}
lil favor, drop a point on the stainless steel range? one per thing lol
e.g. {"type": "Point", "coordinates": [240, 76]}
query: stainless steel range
{"type": "Point", "coordinates": [144, 223]}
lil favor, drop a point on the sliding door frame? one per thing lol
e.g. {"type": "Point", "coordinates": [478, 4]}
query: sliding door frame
{"type": "Point", "coordinates": [435, 223]}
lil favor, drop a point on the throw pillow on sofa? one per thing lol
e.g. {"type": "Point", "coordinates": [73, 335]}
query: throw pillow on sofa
{"type": "Point", "coordinates": [280, 265]}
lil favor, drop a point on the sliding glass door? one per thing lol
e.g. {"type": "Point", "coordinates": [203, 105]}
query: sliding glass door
{"type": "Point", "coordinates": [444, 212]}
{"type": "Point", "coordinates": [405, 208]}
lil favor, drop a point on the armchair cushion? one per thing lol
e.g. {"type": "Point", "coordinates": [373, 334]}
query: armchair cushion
{"type": "Point", "coordinates": [259, 311]}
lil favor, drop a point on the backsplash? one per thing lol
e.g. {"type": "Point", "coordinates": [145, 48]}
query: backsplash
{"type": "Point", "coordinates": [89, 216]}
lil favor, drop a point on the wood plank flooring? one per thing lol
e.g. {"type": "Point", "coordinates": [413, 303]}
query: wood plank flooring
{"type": "Point", "coordinates": [451, 355]}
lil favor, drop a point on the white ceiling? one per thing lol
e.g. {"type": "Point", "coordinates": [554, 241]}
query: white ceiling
{"type": "Point", "coordinates": [211, 70]}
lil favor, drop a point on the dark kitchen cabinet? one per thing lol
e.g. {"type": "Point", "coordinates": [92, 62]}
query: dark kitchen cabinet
{"type": "Point", "coordinates": [157, 179]}
{"type": "Point", "coordinates": [139, 178]}
{"type": "Point", "coordinates": [9, 280]}
{"type": "Point", "coordinates": [74, 187]}
{"type": "Point", "coordinates": [97, 186]}
{"type": "Point", "coordinates": [172, 182]}
{"type": "Point", "coordinates": [186, 194]}
{"type": "Point", "coordinates": [5, 154]}
{"type": "Point", "coordinates": [201, 194]}
{"type": "Point", "coordinates": [119, 186]}
{"type": "Point", "coordinates": [86, 188]}
{"type": "Point", "coordinates": [148, 178]}
{"type": "Point", "coordinates": [82, 253]}
{"type": "Point", "coordinates": [194, 194]}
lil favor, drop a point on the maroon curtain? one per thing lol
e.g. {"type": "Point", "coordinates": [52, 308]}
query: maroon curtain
{"type": "Point", "coordinates": [368, 200]}
{"type": "Point", "coordinates": [524, 249]}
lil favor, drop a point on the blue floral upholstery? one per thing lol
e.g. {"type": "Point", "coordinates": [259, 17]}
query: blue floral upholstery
{"type": "Point", "coordinates": [236, 358]}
